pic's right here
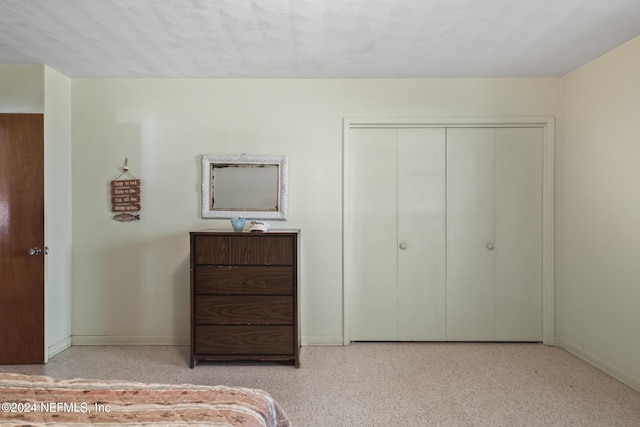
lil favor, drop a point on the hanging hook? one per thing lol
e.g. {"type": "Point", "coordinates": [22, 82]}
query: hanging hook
{"type": "Point", "coordinates": [125, 170]}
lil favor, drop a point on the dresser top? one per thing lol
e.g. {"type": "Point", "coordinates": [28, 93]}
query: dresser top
{"type": "Point", "coordinates": [252, 233]}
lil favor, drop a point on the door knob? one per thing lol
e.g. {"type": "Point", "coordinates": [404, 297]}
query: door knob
{"type": "Point", "coordinates": [490, 246]}
{"type": "Point", "coordinates": [34, 251]}
{"type": "Point", "coordinates": [403, 246]}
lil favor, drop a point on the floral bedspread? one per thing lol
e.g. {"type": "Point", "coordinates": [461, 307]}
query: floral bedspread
{"type": "Point", "coordinates": [39, 400]}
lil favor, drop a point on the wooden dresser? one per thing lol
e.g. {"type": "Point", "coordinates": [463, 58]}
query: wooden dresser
{"type": "Point", "coordinates": [244, 296]}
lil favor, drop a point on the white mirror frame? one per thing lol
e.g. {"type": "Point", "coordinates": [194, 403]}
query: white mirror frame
{"type": "Point", "coordinates": [244, 159]}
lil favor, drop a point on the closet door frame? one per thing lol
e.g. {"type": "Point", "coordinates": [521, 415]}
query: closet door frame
{"type": "Point", "coordinates": [546, 123]}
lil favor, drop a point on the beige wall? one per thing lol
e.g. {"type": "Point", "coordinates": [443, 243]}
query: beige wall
{"type": "Point", "coordinates": [598, 213]}
{"type": "Point", "coordinates": [131, 281]}
{"type": "Point", "coordinates": [57, 154]}
{"type": "Point", "coordinates": [21, 88]}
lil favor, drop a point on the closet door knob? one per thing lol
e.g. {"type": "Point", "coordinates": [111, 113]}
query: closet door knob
{"type": "Point", "coordinates": [490, 246]}
{"type": "Point", "coordinates": [403, 246]}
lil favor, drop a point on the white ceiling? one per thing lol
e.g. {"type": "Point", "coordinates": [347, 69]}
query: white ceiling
{"type": "Point", "coordinates": [313, 38]}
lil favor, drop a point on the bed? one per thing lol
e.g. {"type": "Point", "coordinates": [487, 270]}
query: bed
{"type": "Point", "coordinates": [40, 400]}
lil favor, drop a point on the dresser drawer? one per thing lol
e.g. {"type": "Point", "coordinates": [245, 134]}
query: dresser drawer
{"type": "Point", "coordinates": [256, 310]}
{"type": "Point", "coordinates": [244, 280]}
{"type": "Point", "coordinates": [244, 249]}
{"type": "Point", "coordinates": [244, 340]}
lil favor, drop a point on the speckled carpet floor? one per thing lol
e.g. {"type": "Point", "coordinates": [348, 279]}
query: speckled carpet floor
{"type": "Point", "coordinates": [389, 384]}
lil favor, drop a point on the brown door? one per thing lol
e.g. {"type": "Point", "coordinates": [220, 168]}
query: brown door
{"type": "Point", "coordinates": [21, 230]}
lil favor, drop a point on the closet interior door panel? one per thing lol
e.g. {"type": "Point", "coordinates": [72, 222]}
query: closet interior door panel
{"type": "Point", "coordinates": [518, 249]}
{"type": "Point", "coordinates": [374, 226]}
{"type": "Point", "coordinates": [470, 234]}
{"type": "Point", "coordinates": [421, 234]}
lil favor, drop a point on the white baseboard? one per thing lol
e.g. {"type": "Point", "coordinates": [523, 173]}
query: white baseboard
{"type": "Point", "coordinates": [599, 363]}
{"type": "Point", "coordinates": [173, 340]}
{"type": "Point", "coordinates": [128, 340]}
{"type": "Point", "coordinates": [321, 340]}
{"type": "Point", "coordinates": [56, 348]}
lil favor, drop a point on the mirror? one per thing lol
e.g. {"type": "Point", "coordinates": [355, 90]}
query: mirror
{"type": "Point", "coordinates": [243, 185]}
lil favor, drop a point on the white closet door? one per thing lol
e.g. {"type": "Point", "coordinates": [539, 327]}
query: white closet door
{"type": "Point", "coordinates": [398, 223]}
{"type": "Point", "coordinates": [494, 234]}
{"type": "Point", "coordinates": [446, 234]}
{"type": "Point", "coordinates": [374, 298]}
{"type": "Point", "coordinates": [518, 251]}
{"type": "Point", "coordinates": [421, 235]}
{"type": "Point", "coordinates": [470, 234]}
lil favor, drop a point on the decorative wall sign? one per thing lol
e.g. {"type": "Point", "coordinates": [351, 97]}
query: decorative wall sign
{"type": "Point", "coordinates": [125, 196]}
